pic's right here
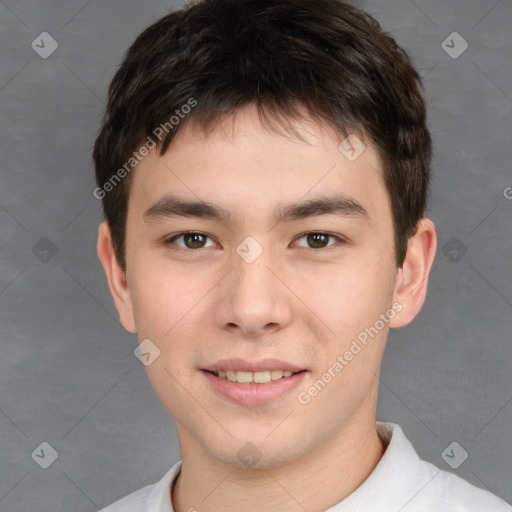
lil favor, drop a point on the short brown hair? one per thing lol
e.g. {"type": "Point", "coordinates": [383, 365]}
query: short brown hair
{"type": "Point", "coordinates": [323, 57]}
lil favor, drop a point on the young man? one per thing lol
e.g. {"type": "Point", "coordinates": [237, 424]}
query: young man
{"type": "Point", "coordinates": [263, 168]}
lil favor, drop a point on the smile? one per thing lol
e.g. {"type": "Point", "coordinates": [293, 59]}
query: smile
{"type": "Point", "coordinates": [260, 377]}
{"type": "Point", "coordinates": [253, 388]}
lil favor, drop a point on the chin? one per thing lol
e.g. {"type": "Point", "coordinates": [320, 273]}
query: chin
{"type": "Point", "coordinates": [264, 454]}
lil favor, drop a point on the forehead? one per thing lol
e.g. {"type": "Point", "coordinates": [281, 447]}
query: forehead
{"type": "Point", "coordinates": [242, 167]}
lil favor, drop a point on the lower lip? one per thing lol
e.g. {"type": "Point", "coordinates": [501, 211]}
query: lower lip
{"type": "Point", "coordinates": [254, 394]}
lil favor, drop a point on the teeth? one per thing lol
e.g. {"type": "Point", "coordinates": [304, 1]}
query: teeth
{"type": "Point", "coordinates": [253, 377]}
{"type": "Point", "coordinates": [262, 377]}
{"type": "Point", "coordinates": [244, 376]}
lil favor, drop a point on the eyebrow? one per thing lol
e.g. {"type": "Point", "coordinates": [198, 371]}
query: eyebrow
{"type": "Point", "coordinates": [339, 204]}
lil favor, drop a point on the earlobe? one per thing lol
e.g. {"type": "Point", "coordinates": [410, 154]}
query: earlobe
{"type": "Point", "coordinates": [412, 278]}
{"type": "Point", "coordinates": [115, 277]}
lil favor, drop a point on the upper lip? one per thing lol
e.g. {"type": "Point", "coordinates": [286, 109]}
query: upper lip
{"type": "Point", "coordinates": [253, 366]}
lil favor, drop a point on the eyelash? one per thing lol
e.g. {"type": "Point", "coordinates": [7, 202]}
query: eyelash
{"type": "Point", "coordinates": [170, 241]}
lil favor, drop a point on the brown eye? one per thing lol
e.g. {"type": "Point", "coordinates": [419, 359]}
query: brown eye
{"type": "Point", "coordinates": [191, 240]}
{"type": "Point", "coordinates": [318, 240]}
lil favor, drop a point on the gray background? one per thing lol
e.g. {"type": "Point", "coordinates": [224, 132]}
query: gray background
{"type": "Point", "coordinates": [68, 374]}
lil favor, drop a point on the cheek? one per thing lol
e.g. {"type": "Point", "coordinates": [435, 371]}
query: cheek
{"type": "Point", "coordinates": [160, 301]}
{"type": "Point", "coordinates": [350, 304]}
{"type": "Point", "coordinates": [349, 299]}
{"type": "Point", "coordinates": [163, 310]}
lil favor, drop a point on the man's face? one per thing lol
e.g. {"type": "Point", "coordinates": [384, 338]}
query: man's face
{"type": "Point", "coordinates": [250, 288]}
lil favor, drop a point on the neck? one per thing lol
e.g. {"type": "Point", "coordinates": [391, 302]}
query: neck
{"type": "Point", "coordinates": [316, 481]}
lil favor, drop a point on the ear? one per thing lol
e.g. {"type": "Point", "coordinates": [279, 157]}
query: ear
{"type": "Point", "coordinates": [116, 278]}
{"type": "Point", "coordinates": [412, 277]}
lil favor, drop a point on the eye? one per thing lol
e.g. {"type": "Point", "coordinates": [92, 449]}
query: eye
{"type": "Point", "coordinates": [317, 239]}
{"type": "Point", "coordinates": [192, 240]}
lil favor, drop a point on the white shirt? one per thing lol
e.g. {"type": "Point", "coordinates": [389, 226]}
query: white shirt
{"type": "Point", "coordinates": [401, 481]}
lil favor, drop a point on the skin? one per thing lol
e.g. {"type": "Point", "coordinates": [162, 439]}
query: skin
{"type": "Point", "coordinates": [294, 303]}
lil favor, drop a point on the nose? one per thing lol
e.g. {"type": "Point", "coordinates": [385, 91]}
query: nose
{"type": "Point", "coordinates": [254, 298]}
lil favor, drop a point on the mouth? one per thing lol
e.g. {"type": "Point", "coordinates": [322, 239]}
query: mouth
{"type": "Point", "coordinates": [259, 377]}
{"type": "Point", "coordinates": [253, 384]}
